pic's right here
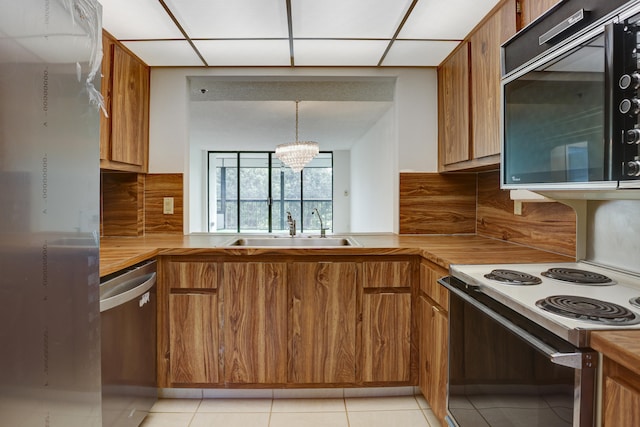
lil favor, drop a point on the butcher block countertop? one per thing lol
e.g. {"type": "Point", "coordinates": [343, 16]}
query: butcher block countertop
{"type": "Point", "coordinates": [622, 347]}
{"type": "Point", "coordinates": [117, 253]}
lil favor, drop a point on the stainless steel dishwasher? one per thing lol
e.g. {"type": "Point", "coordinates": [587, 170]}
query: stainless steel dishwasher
{"type": "Point", "coordinates": [128, 336]}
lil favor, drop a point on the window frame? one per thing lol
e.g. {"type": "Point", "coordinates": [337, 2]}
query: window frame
{"type": "Point", "coordinates": [270, 161]}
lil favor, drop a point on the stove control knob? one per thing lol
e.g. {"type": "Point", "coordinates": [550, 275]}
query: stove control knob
{"type": "Point", "coordinates": [629, 106]}
{"type": "Point", "coordinates": [633, 168]}
{"type": "Point", "coordinates": [633, 136]}
{"type": "Point", "coordinates": [629, 81]}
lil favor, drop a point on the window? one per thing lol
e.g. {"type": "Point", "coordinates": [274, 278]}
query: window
{"type": "Point", "coordinates": [253, 191]}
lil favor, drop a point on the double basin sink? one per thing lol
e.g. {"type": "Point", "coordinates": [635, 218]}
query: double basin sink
{"type": "Point", "coordinates": [295, 242]}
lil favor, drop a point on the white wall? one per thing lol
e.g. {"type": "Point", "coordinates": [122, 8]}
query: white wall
{"type": "Point", "coordinates": [373, 166]}
{"type": "Point", "coordinates": [341, 191]}
{"type": "Point", "coordinates": [412, 143]}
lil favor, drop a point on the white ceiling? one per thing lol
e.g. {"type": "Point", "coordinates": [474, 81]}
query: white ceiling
{"type": "Point", "coordinates": [289, 33]}
{"type": "Point", "coordinates": [292, 32]}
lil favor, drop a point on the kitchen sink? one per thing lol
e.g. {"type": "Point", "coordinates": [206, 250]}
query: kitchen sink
{"type": "Point", "coordinates": [306, 242]}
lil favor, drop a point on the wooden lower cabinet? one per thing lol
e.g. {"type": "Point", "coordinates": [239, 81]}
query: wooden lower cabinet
{"type": "Point", "coordinates": [322, 335]}
{"type": "Point", "coordinates": [193, 339]}
{"type": "Point", "coordinates": [620, 395]}
{"type": "Point", "coordinates": [433, 344]}
{"type": "Point", "coordinates": [386, 337]}
{"type": "Point", "coordinates": [433, 356]}
{"type": "Point", "coordinates": [254, 313]}
{"type": "Point", "coordinates": [237, 321]}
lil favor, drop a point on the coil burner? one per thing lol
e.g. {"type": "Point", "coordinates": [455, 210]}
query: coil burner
{"type": "Point", "coordinates": [581, 277]}
{"type": "Point", "coordinates": [513, 277]}
{"type": "Point", "coordinates": [589, 310]}
{"type": "Point", "coordinates": [635, 302]}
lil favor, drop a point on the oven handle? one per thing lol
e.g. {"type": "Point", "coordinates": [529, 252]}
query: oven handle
{"type": "Point", "coordinates": [571, 360]}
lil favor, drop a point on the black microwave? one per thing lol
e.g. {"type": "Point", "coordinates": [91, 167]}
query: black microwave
{"type": "Point", "coordinates": [571, 111]}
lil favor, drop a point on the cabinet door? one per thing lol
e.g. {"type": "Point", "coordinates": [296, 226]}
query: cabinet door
{"type": "Point", "coordinates": [433, 348]}
{"type": "Point", "coordinates": [193, 339]}
{"type": "Point", "coordinates": [254, 305]}
{"type": "Point", "coordinates": [532, 9]}
{"type": "Point", "coordinates": [453, 111]}
{"type": "Point", "coordinates": [322, 335]}
{"type": "Point", "coordinates": [129, 109]}
{"type": "Point", "coordinates": [485, 79]}
{"type": "Point", "coordinates": [105, 89]}
{"type": "Point", "coordinates": [621, 403]}
{"type": "Point", "coordinates": [386, 337]}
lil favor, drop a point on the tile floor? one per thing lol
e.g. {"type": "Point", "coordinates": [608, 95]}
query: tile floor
{"type": "Point", "coordinates": [391, 411]}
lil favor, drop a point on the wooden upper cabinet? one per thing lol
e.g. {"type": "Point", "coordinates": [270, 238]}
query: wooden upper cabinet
{"type": "Point", "coordinates": [453, 111]}
{"type": "Point", "coordinates": [105, 89]}
{"type": "Point", "coordinates": [124, 142]}
{"type": "Point", "coordinates": [469, 95]}
{"type": "Point", "coordinates": [485, 79]}
{"type": "Point", "coordinates": [130, 109]}
{"type": "Point", "coordinates": [530, 10]}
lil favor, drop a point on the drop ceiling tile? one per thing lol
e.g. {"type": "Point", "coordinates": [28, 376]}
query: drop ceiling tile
{"type": "Point", "coordinates": [338, 52]}
{"type": "Point", "coordinates": [165, 53]}
{"type": "Point", "coordinates": [139, 19]}
{"type": "Point", "coordinates": [450, 19]}
{"type": "Point", "coordinates": [245, 52]}
{"type": "Point", "coordinates": [231, 19]}
{"type": "Point", "coordinates": [347, 19]}
{"type": "Point", "coordinates": [418, 53]}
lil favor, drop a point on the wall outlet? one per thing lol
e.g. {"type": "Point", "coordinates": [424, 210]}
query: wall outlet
{"type": "Point", "coordinates": [167, 205]}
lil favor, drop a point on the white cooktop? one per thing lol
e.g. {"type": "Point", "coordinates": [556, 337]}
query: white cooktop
{"type": "Point", "coordinates": [522, 298]}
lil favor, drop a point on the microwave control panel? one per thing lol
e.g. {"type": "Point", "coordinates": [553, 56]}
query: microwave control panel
{"type": "Point", "coordinates": [626, 65]}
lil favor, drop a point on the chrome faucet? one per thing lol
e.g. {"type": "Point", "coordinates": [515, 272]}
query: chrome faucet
{"type": "Point", "coordinates": [292, 224]}
{"type": "Point", "coordinates": [323, 231]}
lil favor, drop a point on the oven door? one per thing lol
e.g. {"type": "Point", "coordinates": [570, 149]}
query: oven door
{"type": "Point", "coordinates": [504, 370]}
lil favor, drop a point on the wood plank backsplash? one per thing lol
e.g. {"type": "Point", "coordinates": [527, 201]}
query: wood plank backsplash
{"type": "Point", "coordinates": [432, 203]}
{"type": "Point", "coordinates": [157, 187]}
{"type": "Point", "coordinates": [546, 226]}
{"type": "Point", "coordinates": [132, 204]}
{"type": "Point", "coordinates": [122, 204]}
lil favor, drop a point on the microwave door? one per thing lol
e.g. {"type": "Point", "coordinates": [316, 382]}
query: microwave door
{"type": "Point", "coordinates": [554, 116]}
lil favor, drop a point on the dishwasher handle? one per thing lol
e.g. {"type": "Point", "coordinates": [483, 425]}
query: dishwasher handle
{"type": "Point", "coordinates": [127, 287]}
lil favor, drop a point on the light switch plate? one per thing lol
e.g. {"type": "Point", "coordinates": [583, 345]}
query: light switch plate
{"type": "Point", "coordinates": [167, 205]}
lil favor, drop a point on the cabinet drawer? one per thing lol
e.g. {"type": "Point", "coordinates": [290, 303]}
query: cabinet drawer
{"type": "Point", "coordinates": [387, 274]}
{"type": "Point", "coordinates": [191, 275]}
{"type": "Point", "coordinates": [430, 286]}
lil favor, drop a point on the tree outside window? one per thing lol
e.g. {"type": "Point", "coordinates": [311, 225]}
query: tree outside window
{"type": "Point", "coordinates": [253, 191]}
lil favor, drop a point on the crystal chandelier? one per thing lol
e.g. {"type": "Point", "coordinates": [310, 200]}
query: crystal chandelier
{"type": "Point", "coordinates": [297, 154]}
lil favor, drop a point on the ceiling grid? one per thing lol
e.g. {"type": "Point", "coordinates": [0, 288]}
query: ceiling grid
{"type": "Point", "coordinates": [295, 33]}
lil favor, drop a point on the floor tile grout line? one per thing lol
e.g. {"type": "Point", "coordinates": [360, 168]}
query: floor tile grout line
{"type": "Point", "coordinates": [193, 415]}
{"type": "Point", "coordinates": [346, 412]}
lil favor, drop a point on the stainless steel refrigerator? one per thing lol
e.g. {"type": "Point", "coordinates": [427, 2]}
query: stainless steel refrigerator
{"type": "Point", "coordinates": [50, 54]}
